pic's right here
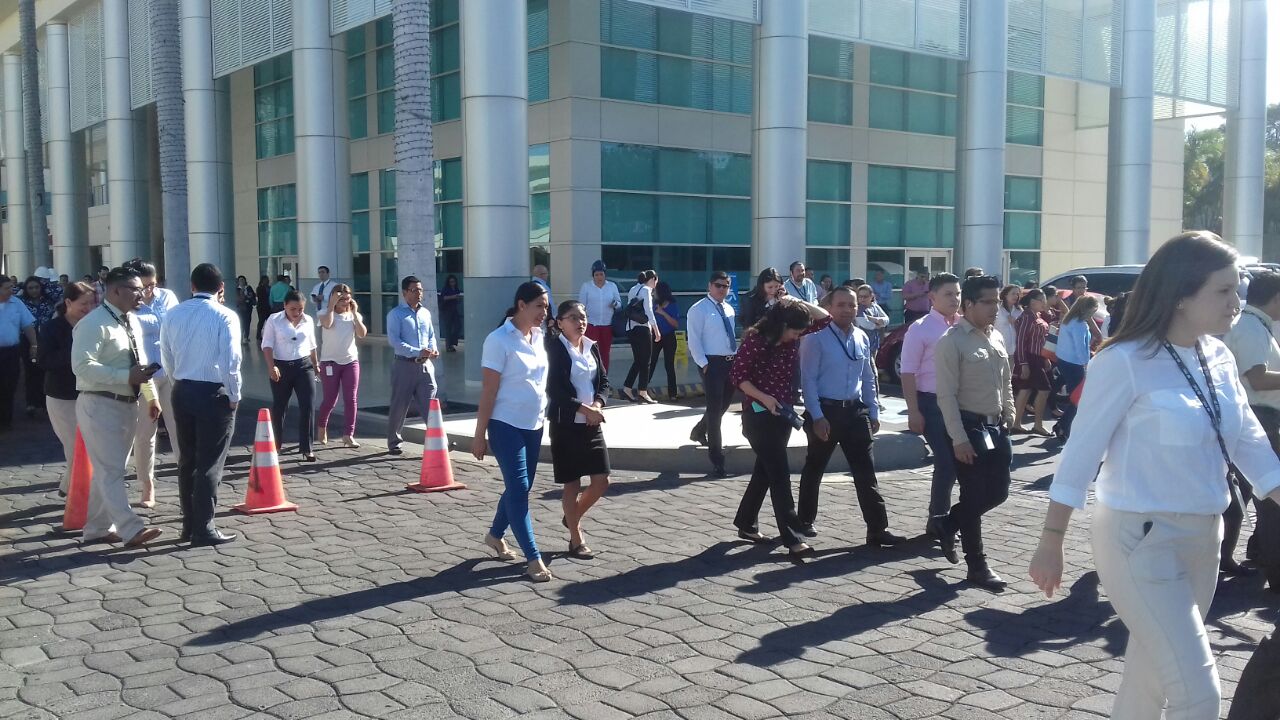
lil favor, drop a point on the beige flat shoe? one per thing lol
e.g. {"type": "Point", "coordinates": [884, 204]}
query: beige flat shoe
{"type": "Point", "coordinates": [322, 436]}
{"type": "Point", "coordinates": [348, 441]}
{"type": "Point", "coordinates": [143, 537]}
{"type": "Point", "coordinates": [499, 547]}
{"type": "Point", "coordinates": [539, 575]}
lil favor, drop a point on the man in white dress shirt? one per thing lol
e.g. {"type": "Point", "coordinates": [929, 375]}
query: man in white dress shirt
{"type": "Point", "coordinates": [712, 345]}
{"type": "Point", "coordinates": [601, 299]}
{"type": "Point", "coordinates": [321, 291]}
{"type": "Point", "coordinates": [200, 350]}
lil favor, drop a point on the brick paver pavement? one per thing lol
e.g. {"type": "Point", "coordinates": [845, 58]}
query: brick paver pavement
{"type": "Point", "coordinates": [374, 602]}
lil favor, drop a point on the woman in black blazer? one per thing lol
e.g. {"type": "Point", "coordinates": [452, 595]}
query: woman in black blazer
{"type": "Point", "coordinates": [576, 389]}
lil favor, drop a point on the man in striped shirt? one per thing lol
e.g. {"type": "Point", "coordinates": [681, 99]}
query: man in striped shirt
{"type": "Point", "coordinates": [200, 350]}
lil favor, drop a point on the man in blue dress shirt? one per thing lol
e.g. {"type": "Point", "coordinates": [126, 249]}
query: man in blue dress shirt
{"type": "Point", "coordinates": [712, 345]}
{"type": "Point", "coordinates": [15, 321]}
{"type": "Point", "coordinates": [413, 338]}
{"type": "Point", "coordinates": [837, 376]}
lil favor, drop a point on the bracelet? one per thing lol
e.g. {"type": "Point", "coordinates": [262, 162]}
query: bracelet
{"type": "Point", "coordinates": [1061, 532]}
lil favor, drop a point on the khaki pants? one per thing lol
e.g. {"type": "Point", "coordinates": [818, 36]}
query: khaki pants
{"type": "Point", "coordinates": [107, 427]}
{"type": "Point", "coordinates": [144, 437]}
{"type": "Point", "coordinates": [1160, 571]}
{"type": "Point", "coordinates": [62, 416]}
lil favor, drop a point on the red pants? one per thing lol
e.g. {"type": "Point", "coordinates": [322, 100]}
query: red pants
{"type": "Point", "coordinates": [602, 335]}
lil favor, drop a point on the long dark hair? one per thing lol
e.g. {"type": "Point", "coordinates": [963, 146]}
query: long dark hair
{"type": "Point", "coordinates": [767, 275]}
{"type": "Point", "coordinates": [526, 293]}
{"type": "Point", "coordinates": [1175, 272]}
{"type": "Point", "coordinates": [778, 319]}
{"type": "Point", "coordinates": [662, 293]}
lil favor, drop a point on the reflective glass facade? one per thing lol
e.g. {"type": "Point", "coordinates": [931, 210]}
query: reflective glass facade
{"type": "Point", "coordinates": [273, 106]}
{"type": "Point", "coordinates": [1024, 117]}
{"type": "Point", "coordinates": [830, 80]}
{"type": "Point", "coordinates": [910, 207]}
{"type": "Point", "coordinates": [828, 218]}
{"type": "Point", "coordinates": [912, 93]}
{"type": "Point", "coordinates": [277, 227]}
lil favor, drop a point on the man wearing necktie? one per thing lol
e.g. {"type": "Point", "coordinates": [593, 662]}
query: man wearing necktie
{"type": "Point", "coordinates": [112, 371]}
{"type": "Point", "coordinates": [839, 383]}
{"type": "Point", "coordinates": [413, 379]}
{"type": "Point", "coordinates": [712, 344]}
{"type": "Point", "coordinates": [320, 291]}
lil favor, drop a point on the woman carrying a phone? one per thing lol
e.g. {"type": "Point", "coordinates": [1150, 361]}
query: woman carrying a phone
{"type": "Point", "coordinates": [765, 370]}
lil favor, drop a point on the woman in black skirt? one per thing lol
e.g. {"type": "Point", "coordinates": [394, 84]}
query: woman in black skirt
{"type": "Point", "coordinates": [576, 389]}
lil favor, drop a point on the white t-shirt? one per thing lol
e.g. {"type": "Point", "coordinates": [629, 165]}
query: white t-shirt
{"type": "Point", "coordinates": [582, 373]}
{"type": "Point", "coordinates": [1252, 343]}
{"type": "Point", "coordinates": [339, 340]}
{"type": "Point", "coordinates": [522, 391]}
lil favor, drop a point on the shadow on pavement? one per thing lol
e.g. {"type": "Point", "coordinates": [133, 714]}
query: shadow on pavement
{"type": "Point", "coordinates": [1079, 618]}
{"type": "Point", "coordinates": [465, 575]}
{"type": "Point", "coordinates": [715, 561]}
{"type": "Point", "coordinates": [790, 642]}
{"type": "Point", "coordinates": [620, 485]}
{"type": "Point", "coordinates": [835, 562]}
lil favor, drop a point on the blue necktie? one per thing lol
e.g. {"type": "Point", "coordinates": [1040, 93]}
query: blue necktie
{"type": "Point", "coordinates": [728, 328]}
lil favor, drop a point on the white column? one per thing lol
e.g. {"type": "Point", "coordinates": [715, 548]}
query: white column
{"type": "Point", "coordinates": [980, 144]}
{"type": "Point", "coordinates": [1246, 130]}
{"type": "Point", "coordinates": [495, 161]}
{"type": "Point", "coordinates": [206, 154]}
{"type": "Point", "coordinates": [123, 190]}
{"type": "Point", "coordinates": [780, 119]}
{"type": "Point", "coordinates": [1129, 141]}
{"type": "Point", "coordinates": [70, 247]}
{"type": "Point", "coordinates": [320, 131]}
{"type": "Point", "coordinates": [18, 234]}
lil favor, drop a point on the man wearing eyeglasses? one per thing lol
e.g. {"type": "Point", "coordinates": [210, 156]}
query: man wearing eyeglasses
{"type": "Point", "coordinates": [712, 345]}
{"type": "Point", "coordinates": [839, 382]}
{"type": "Point", "coordinates": [112, 372]}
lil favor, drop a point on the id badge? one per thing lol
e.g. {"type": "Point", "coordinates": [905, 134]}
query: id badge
{"type": "Point", "coordinates": [987, 442]}
{"type": "Point", "coordinates": [328, 370]}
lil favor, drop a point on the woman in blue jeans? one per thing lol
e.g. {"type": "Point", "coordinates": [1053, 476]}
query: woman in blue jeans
{"type": "Point", "coordinates": [513, 404]}
{"type": "Point", "coordinates": [1073, 351]}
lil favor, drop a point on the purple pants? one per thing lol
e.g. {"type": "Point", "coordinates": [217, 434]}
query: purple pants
{"type": "Point", "coordinates": [332, 377]}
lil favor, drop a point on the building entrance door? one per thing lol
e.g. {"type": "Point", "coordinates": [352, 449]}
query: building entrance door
{"type": "Point", "coordinates": [935, 261]}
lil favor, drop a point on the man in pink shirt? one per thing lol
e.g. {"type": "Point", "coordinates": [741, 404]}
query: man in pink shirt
{"type": "Point", "coordinates": [915, 296]}
{"type": "Point", "coordinates": [919, 389]}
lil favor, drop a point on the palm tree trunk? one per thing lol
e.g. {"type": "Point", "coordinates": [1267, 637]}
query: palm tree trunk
{"type": "Point", "coordinates": [166, 77]}
{"type": "Point", "coordinates": [40, 254]}
{"type": "Point", "coordinates": [415, 194]}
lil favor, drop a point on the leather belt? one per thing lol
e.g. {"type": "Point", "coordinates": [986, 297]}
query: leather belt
{"type": "Point", "coordinates": [112, 396]}
{"type": "Point", "coordinates": [418, 360]}
{"type": "Point", "coordinates": [841, 403]}
{"type": "Point", "coordinates": [726, 358]}
{"type": "Point", "coordinates": [976, 417]}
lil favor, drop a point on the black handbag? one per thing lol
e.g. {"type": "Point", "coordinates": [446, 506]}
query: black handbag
{"type": "Point", "coordinates": [635, 312]}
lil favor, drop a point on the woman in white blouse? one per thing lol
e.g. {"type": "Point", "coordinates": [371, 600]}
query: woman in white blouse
{"type": "Point", "coordinates": [643, 334]}
{"type": "Point", "coordinates": [576, 389]}
{"type": "Point", "coordinates": [1008, 314]}
{"type": "Point", "coordinates": [513, 402]}
{"type": "Point", "coordinates": [1162, 409]}
{"type": "Point", "coordinates": [340, 363]}
{"type": "Point", "coordinates": [289, 348]}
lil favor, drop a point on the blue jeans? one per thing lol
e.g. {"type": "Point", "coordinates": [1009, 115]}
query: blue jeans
{"type": "Point", "coordinates": [1069, 376]}
{"type": "Point", "coordinates": [944, 460]}
{"type": "Point", "coordinates": [516, 451]}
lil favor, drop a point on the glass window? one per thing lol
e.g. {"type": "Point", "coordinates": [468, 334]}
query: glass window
{"type": "Point", "coordinates": [628, 167]}
{"type": "Point", "coordinates": [443, 12]}
{"type": "Point", "coordinates": [681, 171]}
{"type": "Point", "coordinates": [1025, 89]}
{"type": "Point", "coordinates": [830, 58]}
{"type": "Point", "coordinates": [360, 276]}
{"type": "Point", "coordinates": [827, 223]}
{"type": "Point", "coordinates": [1024, 267]}
{"type": "Point", "coordinates": [273, 107]}
{"type": "Point", "coordinates": [539, 168]}
{"type": "Point", "coordinates": [1024, 126]}
{"type": "Point", "coordinates": [828, 262]}
{"type": "Point", "coordinates": [730, 221]}
{"type": "Point", "coordinates": [830, 101]}
{"type": "Point", "coordinates": [387, 188]}
{"type": "Point", "coordinates": [1022, 231]}
{"type": "Point", "coordinates": [277, 224]}
{"type": "Point", "coordinates": [628, 218]}
{"type": "Point", "coordinates": [1021, 193]}
{"type": "Point", "coordinates": [827, 180]}
{"type": "Point", "coordinates": [539, 61]}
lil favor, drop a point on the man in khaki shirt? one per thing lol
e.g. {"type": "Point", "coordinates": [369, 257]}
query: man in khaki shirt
{"type": "Point", "coordinates": [112, 371]}
{"type": "Point", "coordinates": [976, 400]}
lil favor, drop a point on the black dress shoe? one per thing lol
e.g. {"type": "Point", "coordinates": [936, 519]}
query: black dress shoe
{"type": "Point", "coordinates": [806, 529]}
{"type": "Point", "coordinates": [933, 528]}
{"type": "Point", "coordinates": [1231, 568]}
{"type": "Point", "coordinates": [217, 538]}
{"type": "Point", "coordinates": [753, 536]}
{"type": "Point", "coordinates": [884, 538]}
{"type": "Point", "coordinates": [698, 437]}
{"type": "Point", "coordinates": [719, 471]}
{"type": "Point", "coordinates": [184, 536]}
{"type": "Point", "coordinates": [947, 539]}
{"type": "Point", "coordinates": [395, 451]}
{"type": "Point", "coordinates": [986, 578]}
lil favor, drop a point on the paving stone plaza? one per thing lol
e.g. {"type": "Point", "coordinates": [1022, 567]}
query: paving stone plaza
{"type": "Point", "coordinates": [374, 602]}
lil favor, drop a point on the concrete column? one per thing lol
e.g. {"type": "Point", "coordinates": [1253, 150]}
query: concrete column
{"type": "Point", "coordinates": [1129, 141]}
{"type": "Point", "coordinates": [780, 123]}
{"type": "Point", "coordinates": [18, 234]}
{"type": "Point", "coordinates": [206, 151]}
{"type": "Point", "coordinates": [1246, 130]}
{"type": "Point", "coordinates": [495, 159]}
{"type": "Point", "coordinates": [980, 144]}
{"type": "Point", "coordinates": [70, 248]}
{"type": "Point", "coordinates": [320, 130]}
{"type": "Point", "coordinates": [127, 239]}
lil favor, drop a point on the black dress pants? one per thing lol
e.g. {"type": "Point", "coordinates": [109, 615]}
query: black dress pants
{"type": "Point", "coordinates": [719, 390]}
{"type": "Point", "coordinates": [768, 434]}
{"type": "Point", "coordinates": [203, 421]}
{"type": "Point", "coordinates": [297, 377]}
{"type": "Point", "coordinates": [851, 430]}
{"type": "Point", "coordinates": [10, 368]}
{"type": "Point", "coordinates": [984, 485]}
{"type": "Point", "coordinates": [641, 339]}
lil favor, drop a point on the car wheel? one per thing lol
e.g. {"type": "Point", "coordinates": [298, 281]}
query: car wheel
{"type": "Point", "coordinates": [896, 373]}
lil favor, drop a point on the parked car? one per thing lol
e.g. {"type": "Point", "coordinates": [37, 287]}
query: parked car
{"type": "Point", "coordinates": [1109, 280]}
{"type": "Point", "coordinates": [889, 356]}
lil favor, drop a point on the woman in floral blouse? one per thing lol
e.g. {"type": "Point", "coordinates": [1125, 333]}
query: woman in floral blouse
{"type": "Point", "coordinates": [765, 370]}
{"type": "Point", "coordinates": [41, 298]}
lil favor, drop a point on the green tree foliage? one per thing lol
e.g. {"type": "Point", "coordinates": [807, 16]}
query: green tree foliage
{"type": "Point", "coordinates": [1204, 170]}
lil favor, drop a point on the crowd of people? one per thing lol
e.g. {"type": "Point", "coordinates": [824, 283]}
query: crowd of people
{"type": "Point", "coordinates": [1184, 426]}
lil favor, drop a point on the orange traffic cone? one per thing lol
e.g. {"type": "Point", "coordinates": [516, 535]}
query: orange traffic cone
{"type": "Point", "coordinates": [265, 493]}
{"type": "Point", "coordinates": [437, 473]}
{"type": "Point", "coordinates": [77, 509]}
